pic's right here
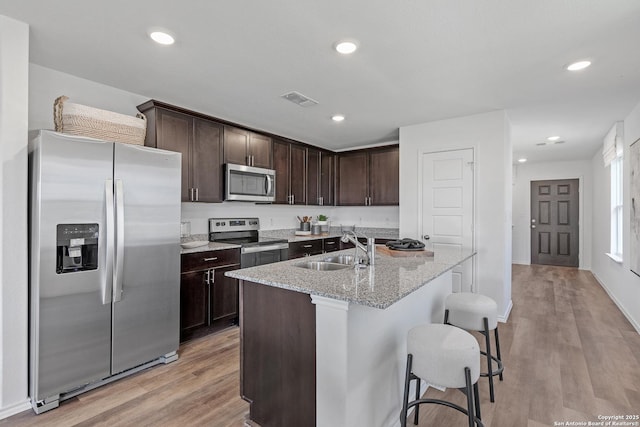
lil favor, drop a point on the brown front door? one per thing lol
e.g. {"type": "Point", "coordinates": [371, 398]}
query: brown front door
{"type": "Point", "coordinates": [554, 222]}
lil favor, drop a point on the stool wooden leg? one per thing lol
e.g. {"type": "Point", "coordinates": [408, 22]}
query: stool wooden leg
{"type": "Point", "coordinates": [489, 360]}
{"type": "Point", "coordinates": [446, 317]}
{"type": "Point", "coordinates": [495, 332]}
{"type": "Point", "coordinates": [405, 400]}
{"type": "Point", "coordinates": [469, 393]}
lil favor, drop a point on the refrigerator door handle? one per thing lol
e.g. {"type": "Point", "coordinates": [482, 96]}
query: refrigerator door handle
{"type": "Point", "coordinates": [107, 284]}
{"type": "Point", "coordinates": [119, 262]}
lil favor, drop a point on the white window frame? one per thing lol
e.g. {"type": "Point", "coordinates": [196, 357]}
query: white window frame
{"type": "Point", "coordinates": [616, 209]}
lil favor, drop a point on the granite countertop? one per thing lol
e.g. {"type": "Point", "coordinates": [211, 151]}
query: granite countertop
{"type": "Point", "coordinates": [379, 286]}
{"type": "Point", "coordinates": [289, 235]}
{"type": "Point", "coordinates": [211, 246]}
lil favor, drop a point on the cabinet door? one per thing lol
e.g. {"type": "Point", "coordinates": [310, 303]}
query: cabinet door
{"type": "Point", "coordinates": [326, 178]}
{"type": "Point", "coordinates": [206, 163]}
{"type": "Point", "coordinates": [236, 142]}
{"type": "Point", "coordinates": [173, 134]}
{"type": "Point", "coordinates": [260, 150]}
{"type": "Point", "coordinates": [194, 299]}
{"type": "Point", "coordinates": [352, 179]}
{"type": "Point", "coordinates": [281, 165]}
{"type": "Point", "coordinates": [224, 295]}
{"type": "Point", "coordinates": [298, 173]}
{"type": "Point", "coordinates": [313, 176]}
{"type": "Point", "coordinates": [331, 244]}
{"type": "Point", "coordinates": [305, 248]}
{"type": "Point", "coordinates": [384, 177]}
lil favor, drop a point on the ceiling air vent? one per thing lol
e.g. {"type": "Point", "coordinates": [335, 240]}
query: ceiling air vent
{"type": "Point", "coordinates": [300, 99]}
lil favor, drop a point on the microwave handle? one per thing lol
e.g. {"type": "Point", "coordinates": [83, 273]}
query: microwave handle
{"type": "Point", "coordinates": [269, 184]}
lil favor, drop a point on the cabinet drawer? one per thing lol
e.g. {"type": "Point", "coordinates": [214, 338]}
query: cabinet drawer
{"type": "Point", "coordinates": [305, 248]}
{"type": "Point", "coordinates": [209, 259]}
{"type": "Point", "coordinates": [331, 244]}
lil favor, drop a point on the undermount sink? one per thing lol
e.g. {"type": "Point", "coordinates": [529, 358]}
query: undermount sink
{"type": "Point", "coordinates": [322, 265]}
{"type": "Point", "coordinates": [343, 259]}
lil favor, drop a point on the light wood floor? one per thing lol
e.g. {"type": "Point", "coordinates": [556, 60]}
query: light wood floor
{"type": "Point", "coordinates": [569, 355]}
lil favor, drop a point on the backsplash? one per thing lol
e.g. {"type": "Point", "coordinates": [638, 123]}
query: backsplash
{"type": "Point", "coordinates": [275, 217]}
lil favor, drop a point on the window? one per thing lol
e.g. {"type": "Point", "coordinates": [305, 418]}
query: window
{"type": "Point", "coordinates": [616, 207]}
{"type": "Point", "coordinates": [612, 155]}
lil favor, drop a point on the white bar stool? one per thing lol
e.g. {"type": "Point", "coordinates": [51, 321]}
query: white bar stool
{"type": "Point", "coordinates": [475, 312]}
{"type": "Point", "coordinates": [445, 356]}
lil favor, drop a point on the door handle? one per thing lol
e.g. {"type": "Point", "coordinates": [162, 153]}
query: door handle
{"type": "Point", "coordinates": [107, 287]}
{"type": "Point", "coordinates": [119, 264]}
{"type": "Point", "coordinates": [533, 226]}
{"type": "Point", "coordinates": [426, 237]}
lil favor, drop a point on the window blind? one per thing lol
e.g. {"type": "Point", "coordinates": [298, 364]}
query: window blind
{"type": "Point", "coordinates": [613, 144]}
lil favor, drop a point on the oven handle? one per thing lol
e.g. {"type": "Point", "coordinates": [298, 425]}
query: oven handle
{"type": "Point", "coordinates": [254, 249]}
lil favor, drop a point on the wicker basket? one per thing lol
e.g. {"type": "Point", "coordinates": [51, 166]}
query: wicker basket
{"type": "Point", "coordinates": [77, 119]}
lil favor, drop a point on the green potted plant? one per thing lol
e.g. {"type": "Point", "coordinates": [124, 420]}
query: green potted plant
{"type": "Point", "coordinates": [322, 219]}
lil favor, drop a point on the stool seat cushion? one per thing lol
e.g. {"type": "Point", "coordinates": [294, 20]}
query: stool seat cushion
{"type": "Point", "coordinates": [440, 354]}
{"type": "Point", "coordinates": [467, 310]}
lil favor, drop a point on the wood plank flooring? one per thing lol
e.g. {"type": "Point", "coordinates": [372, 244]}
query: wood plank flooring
{"type": "Point", "coordinates": [569, 354]}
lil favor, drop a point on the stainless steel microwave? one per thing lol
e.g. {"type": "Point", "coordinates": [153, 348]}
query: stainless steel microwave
{"type": "Point", "coordinates": [249, 184]}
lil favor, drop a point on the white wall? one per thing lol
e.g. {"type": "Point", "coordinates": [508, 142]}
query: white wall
{"type": "Point", "coordinates": [622, 285]}
{"type": "Point", "coordinates": [489, 135]}
{"type": "Point", "coordinates": [14, 62]}
{"type": "Point", "coordinates": [524, 174]}
{"type": "Point", "coordinates": [273, 217]}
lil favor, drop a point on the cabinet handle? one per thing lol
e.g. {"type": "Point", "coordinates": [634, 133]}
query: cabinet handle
{"type": "Point", "coordinates": [197, 194]}
{"type": "Point", "coordinates": [370, 201]}
{"type": "Point", "coordinates": [191, 194]}
{"type": "Point", "coordinates": [366, 201]}
{"type": "Point", "coordinates": [206, 277]}
{"type": "Point", "coordinates": [329, 243]}
{"type": "Point", "coordinates": [293, 199]}
{"type": "Point", "coordinates": [307, 246]}
{"type": "Point", "coordinates": [321, 200]}
{"type": "Point", "coordinates": [210, 259]}
{"type": "Point", "coordinates": [212, 276]}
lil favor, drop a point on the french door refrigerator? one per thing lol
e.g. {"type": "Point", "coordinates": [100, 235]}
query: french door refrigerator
{"type": "Point", "coordinates": [104, 263]}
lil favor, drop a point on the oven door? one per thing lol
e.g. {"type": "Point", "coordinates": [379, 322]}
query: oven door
{"type": "Point", "coordinates": [260, 255]}
{"type": "Point", "coordinates": [250, 184]}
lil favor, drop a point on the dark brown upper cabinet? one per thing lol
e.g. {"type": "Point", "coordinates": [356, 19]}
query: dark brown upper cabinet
{"type": "Point", "coordinates": [243, 147]}
{"type": "Point", "coordinates": [200, 142]}
{"type": "Point", "coordinates": [290, 163]}
{"type": "Point", "coordinates": [368, 177]}
{"type": "Point", "coordinates": [319, 177]}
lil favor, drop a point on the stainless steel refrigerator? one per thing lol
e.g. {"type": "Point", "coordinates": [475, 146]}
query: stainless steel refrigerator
{"type": "Point", "coordinates": [104, 263]}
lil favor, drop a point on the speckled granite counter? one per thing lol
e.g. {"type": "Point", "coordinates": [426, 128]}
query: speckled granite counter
{"type": "Point", "coordinates": [379, 286]}
{"type": "Point", "coordinates": [211, 246]}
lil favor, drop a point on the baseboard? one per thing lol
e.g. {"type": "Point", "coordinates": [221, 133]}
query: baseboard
{"type": "Point", "coordinates": [617, 303]}
{"type": "Point", "coordinates": [16, 408]}
{"type": "Point", "coordinates": [505, 316]}
{"type": "Point", "coordinates": [520, 262]}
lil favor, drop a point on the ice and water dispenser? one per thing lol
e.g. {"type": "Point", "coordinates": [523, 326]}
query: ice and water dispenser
{"type": "Point", "coordinates": [77, 247]}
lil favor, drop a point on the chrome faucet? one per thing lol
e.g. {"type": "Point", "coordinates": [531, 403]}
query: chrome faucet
{"type": "Point", "coordinates": [369, 250]}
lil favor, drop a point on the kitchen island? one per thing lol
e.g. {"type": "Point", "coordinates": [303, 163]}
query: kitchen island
{"type": "Point", "coordinates": [328, 348]}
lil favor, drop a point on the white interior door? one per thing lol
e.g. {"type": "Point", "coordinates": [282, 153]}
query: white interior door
{"type": "Point", "coordinates": [447, 207]}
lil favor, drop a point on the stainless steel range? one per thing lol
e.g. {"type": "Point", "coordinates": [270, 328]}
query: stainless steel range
{"type": "Point", "coordinates": [255, 250]}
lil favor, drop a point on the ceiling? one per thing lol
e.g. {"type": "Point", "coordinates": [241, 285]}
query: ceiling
{"type": "Point", "coordinates": [418, 61]}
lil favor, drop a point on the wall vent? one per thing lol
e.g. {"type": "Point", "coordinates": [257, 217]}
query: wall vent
{"type": "Point", "coordinates": [300, 99]}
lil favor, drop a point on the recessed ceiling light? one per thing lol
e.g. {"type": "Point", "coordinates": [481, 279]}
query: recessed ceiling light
{"type": "Point", "coordinates": [553, 138]}
{"type": "Point", "coordinates": [522, 160]}
{"type": "Point", "coordinates": [346, 47]}
{"type": "Point", "coordinates": [580, 65]}
{"type": "Point", "coordinates": [337, 118]}
{"type": "Point", "coordinates": [162, 37]}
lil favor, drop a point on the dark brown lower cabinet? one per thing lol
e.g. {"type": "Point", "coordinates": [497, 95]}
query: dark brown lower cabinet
{"type": "Point", "coordinates": [278, 355]}
{"type": "Point", "coordinates": [208, 299]}
{"type": "Point", "coordinates": [305, 248]}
